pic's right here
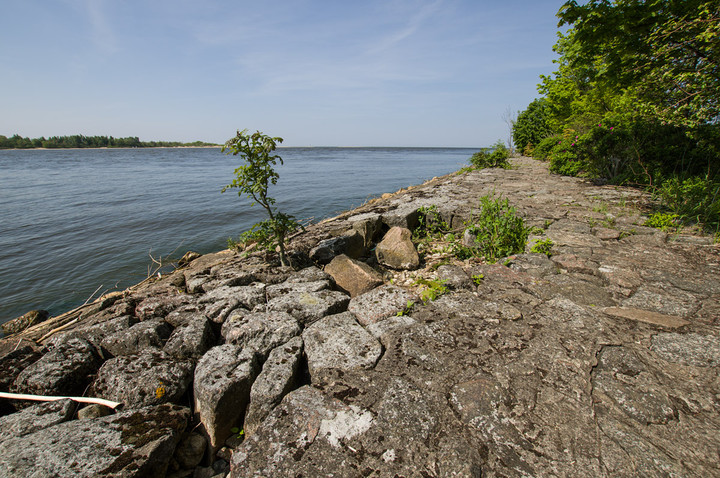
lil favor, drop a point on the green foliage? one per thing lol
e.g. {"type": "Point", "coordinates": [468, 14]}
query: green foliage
{"type": "Point", "coordinates": [531, 126]}
{"type": "Point", "coordinates": [238, 432]}
{"type": "Point", "coordinates": [253, 179]}
{"type": "Point", "coordinates": [666, 51]}
{"type": "Point", "coordinates": [431, 288]}
{"type": "Point", "coordinates": [407, 309]}
{"type": "Point", "coordinates": [494, 157]}
{"type": "Point", "coordinates": [664, 221]}
{"type": "Point", "coordinates": [497, 229]}
{"type": "Point", "coordinates": [430, 222]}
{"type": "Point", "coordinates": [634, 100]}
{"type": "Point", "coordinates": [693, 199]}
{"type": "Point", "coordinates": [478, 278]}
{"type": "Point", "coordinates": [543, 247]}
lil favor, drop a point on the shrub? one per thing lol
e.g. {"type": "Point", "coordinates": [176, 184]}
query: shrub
{"type": "Point", "coordinates": [531, 126]}
{"type": "Point", "coordinates": [498, 230]}
{"type": "Point", "coordinates": [543, 247]}
{"type": "Point", "coordinates": [695, 199]}
{"type": "Point", "coordinates": [252, 179]}
{"type": "Point", "coordinates": [494, 157]}
{"type": "Point", "coordinates": [544, 149]}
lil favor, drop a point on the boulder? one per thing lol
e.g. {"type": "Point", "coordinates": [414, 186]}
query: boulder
{"type": "Point", "coordinates": [309, 274]}
{"type": "Point", "coordinates": [66, 370]}
{"type": "Point", "coordinates": [455, 277]}
{"type": "Point", "coordinates": [158, 306]}
{"type": "Point", "coordinates": [261, 331]}
{"type": "Point", "coordinates": [190, 451]}
{"type": "Point", "coordinates": [133, 340]}
{"type": "Point", "coordinates": [223, 378]}
{"type": "Point", "coordinates": [279, 375]}
{"type": "Point", "coordinates": [397, 251]}
{"type": "Point", "coordinates": [222, 301]}
{"type": "Point", "coordinates": [307, 307]}
{"type": "Point", "coordinates": [279, 290]}
{"type": "Point", "coordinates": [353, 277]}
{"type": "Point", "coordinates": [132, 443]}
{"type": "Point", "coordinates": [351, 244]}
{"type": "Point", "coordinates": [192, 340]}
{"type": "Point", "coordinates": [24, 321]}
{"type": "Point", "coordinates": [380, 303]}
{"type": "Point", "coordinates": [149, 378]}
{"type": "Point", "coordinates": [36, 417]}
{"type": "Point", "coordinates": [339, 342]}
{"type": "Point", "coordinates": [368, 225]}
{"type": "Point", "coordinates": [97, 332]}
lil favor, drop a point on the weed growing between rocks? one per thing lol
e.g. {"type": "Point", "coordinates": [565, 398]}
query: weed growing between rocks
{"type": "Point", "coordinates": [496, 231]}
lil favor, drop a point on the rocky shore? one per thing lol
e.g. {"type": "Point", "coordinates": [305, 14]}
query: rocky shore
{"type": "Point", "coordinates": [602, 359]}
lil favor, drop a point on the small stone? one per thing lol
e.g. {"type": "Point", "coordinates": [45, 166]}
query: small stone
{"type": "Point", "coordinates": [93, 411]}
{"type": "Point", "coordinates": [647, 316]}
{"type": "Point", "coordinates": [190, 451]}
{"type": "Point", "coordinates": [352, 276]}
{"type": "Point", "coordinates": [23, 322]}
{"type": "Point", "coordinates": [397, 251]}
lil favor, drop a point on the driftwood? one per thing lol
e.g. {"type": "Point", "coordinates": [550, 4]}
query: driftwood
{"type": "Point", "coordinates": [44, 398]}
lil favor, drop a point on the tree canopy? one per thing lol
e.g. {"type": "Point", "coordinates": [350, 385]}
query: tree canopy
{"type": "Point", "coordinates": [635, 99]}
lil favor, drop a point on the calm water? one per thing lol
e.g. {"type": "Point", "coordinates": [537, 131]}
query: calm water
{"type": "Point", "coordinates": [73, 221]}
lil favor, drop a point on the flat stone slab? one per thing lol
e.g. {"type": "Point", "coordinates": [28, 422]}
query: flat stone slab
{"type": "Point", "coordinates": [647, 316]}
{"type": "Point", "coordinates": [379, 303]}
{"type": "Point", "coordinates": [261, 331]}
{"type": "Point", "coordinates": [132, 443]}
{"type": "Point", "coordinates": [149, 378]}
{"type": "Point", "coordinates": [688, 349]}
{"type": "Point", "coordinates": [308, 307]}
{"type": "Point", "coordinates": [339, 342]}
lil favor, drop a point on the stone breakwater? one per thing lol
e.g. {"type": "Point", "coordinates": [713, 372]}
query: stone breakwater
{"type": "Point", "coordinates": [600, 360]}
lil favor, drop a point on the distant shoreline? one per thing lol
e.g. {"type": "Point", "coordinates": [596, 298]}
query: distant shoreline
{"type": "Point", "coordinates": [113, 147]}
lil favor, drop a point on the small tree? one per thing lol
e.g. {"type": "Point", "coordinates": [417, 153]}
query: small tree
{"type": "Point", "coordinates": [253, 180]}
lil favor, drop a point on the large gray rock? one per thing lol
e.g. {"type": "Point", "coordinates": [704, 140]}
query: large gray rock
{"type": "Point", "coordinates": [97, 332]}
{"type": "Point", "coordinates": [158, 306]}
{"type": "Point", "coordinates": [279, 375]}
{"type": "Point", "coordinates": [351, 244]}
{"type": "Point", "coordinates": [34, 418]}
{"type": "Point", "coordinates": [132, 443]}
{"type": "Point", "coordinates": [307, 307]}
{"type": "Point", "coordinates": [65, 370]}
{"type": "Point", "coordinates": [339, 342]}
{"type": "Point", "coordinates": [220, 302]}
{"type": "Point", "coordinates": [261, 331]}
{"type": "Point", "coordinates": [223, 378]}
{"type": "Point", "coordinates": [279, 290]}
{"type": "Point", "coordinates": [149, 378]}
{"type": "Point", "coordinates": [397, 251]}
{"type": "Point", "coordinates": [192, 340]}
{"type": "Point", "coordinates": [309, 274]}
{"type": "Point", "coordinates": [353, 277]}
{"type": "Point", "coordinates": [379, 303]}
{"type": "Point", "coordinates": [133, 340]}
{"type": "Point", "coordinates": [24, 321]}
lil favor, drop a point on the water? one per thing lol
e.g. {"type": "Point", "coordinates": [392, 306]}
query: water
{"type": "Point", "coordinates": [73, 222]}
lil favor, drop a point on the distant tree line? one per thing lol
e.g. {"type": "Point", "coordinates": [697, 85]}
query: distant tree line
{"type": "Point", "coordinates": [80, 141]}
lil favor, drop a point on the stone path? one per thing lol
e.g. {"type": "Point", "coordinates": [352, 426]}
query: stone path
{"type": "Point", "coordinates": [600, 360]}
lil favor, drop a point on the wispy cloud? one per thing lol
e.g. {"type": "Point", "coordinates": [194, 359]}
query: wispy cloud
{"type": "Point", "coordinates": [102, 33]}
{"type": "Point", "coordinates": [408, 29]}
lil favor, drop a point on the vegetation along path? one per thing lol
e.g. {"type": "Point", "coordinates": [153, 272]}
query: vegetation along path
{"type": "Point", "coordinates": [382, 353]}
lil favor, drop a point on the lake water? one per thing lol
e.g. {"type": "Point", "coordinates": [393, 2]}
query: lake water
{"type": "Point", "coordinates": [73, 222]}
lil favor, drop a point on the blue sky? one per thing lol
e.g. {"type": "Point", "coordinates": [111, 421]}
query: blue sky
{"type": "Point", "coordinates": [316, 72]}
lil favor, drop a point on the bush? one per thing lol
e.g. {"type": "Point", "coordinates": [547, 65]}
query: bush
{"type": "Point", "coordinates": [494, 157]}
{"type": "Point", "coordinates": [543, 150]}
{"type": "Point", "coordinates": [531, 126]}
{"type": "Point", "coordinates": [693, 199]}
{"type": "Point", "coordinates": [498, 230]}
{"type": "Point", "coordinates": [566, 156]}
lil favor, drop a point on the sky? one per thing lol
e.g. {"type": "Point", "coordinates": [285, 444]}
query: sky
{"type": "Point", "coordinates": [425, 73]}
